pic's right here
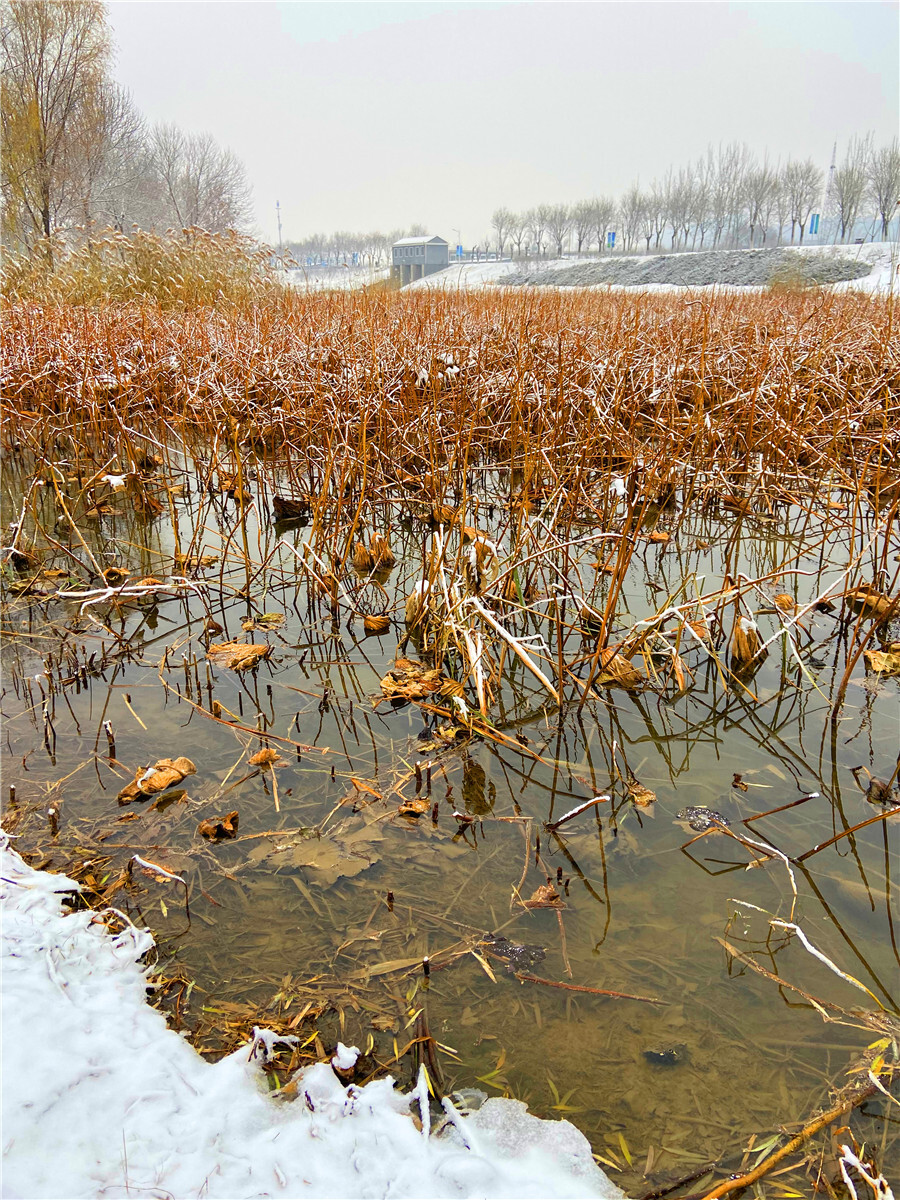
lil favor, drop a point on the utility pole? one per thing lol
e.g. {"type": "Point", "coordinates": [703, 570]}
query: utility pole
{"type": "Point", "coordinates": [278, 215]}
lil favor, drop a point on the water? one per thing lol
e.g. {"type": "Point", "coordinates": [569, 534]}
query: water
{"type": "Point", "coordinates": [357, 890]}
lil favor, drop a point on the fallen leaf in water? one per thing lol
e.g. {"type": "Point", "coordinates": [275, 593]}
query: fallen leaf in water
{"type": "Point", "coordinates": [408, 680]}
{"type": "Point", "coordinates": [238, 656]}
{"type": "Point", "coordinates": [325, 859]}
{"type": "Point", "coordinates": [614, 670]}
{"type": "Point", "coordinates": [264, 758]}
{"type": "Point", "coordinates": [161, 803]}
{"type": "Point", "coordinates": [738, 782]}
{"type": "Point", "coordinates": [375, 624]}
{"type": "Point", "coordinates": [871, 603]}
{"type": "Point", "coordinates": [546, 896]}
{"type": "Point", "coordinates": [880, 792]}
{"type": "Point", "coordinates": [217, 828]}
{"type": "Point", "coordinates": [115, 576]}
{"type": "Point", "coordinates": [194, 562]}
{"type": "Point", "coordinates": [883, 662]}
{"type": "Point", "coordinates": [270, 620]}
{"type": "Point", "coordinates": [659, 536]}
{"type": "Point", "coordinates": [384, 1024]}
{"type": "Point", "coordinates": [162, 775]}
{"type": "Point", "coordinates": [639, 795]}
{"type": "Point", "coordinates": [413, 808]}
{"type": "Point", "coordinates": [385, 968]}
{"type": "Point", "coordinates": [290, 508]}
{"type": "Point", "coordinates": [785, 603]}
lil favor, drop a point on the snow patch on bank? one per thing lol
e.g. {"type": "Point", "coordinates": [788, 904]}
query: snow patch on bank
{"type": "Point", "coordinates": [101, 1098]}
{"type": "Point", "coordinates": [635, 272]}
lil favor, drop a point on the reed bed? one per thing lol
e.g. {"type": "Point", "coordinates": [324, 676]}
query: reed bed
{"type": "Point", "coordinates": [747, 393]}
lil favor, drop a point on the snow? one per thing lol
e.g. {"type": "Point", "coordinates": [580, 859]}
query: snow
{"type": "Point", "coordinates": [326, 279]}
{"type": "Point", "coordinates": [882, 257]}
{"type": "Point", "coordinates": [345, 1057]}
{"type": "Point", "coordinates": [101, 1098]}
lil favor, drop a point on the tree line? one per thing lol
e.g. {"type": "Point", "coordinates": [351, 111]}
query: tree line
{"type": "Point", "coordinates": [727, 198]}
{"type": "Point", "coordinates": [78, 155]}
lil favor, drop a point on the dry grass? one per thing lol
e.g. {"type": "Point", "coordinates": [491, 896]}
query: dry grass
{"type": "Point", "coordinates": [189, 269]}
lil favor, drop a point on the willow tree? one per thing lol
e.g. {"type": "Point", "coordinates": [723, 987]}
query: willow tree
{"type": "Point", "coordinates": [55, 55]}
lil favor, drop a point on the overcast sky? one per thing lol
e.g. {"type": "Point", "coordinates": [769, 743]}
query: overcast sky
{"type": "Point", "coordinates": [375, 116]}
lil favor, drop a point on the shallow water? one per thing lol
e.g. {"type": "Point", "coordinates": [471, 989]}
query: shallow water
{"type": "Point", "coordinates": [727, 1055]}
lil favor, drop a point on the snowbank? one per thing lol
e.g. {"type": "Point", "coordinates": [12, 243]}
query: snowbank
{"type": "Point", "coordinates": [874, 264]}
{"type": "Point", "coordinates": [101, 1098]}
{"type": "Point", "coordinates": [334, 279]}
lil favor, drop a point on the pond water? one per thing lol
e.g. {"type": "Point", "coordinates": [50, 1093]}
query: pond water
{"type": "Point", "coordinates": [324, 904]}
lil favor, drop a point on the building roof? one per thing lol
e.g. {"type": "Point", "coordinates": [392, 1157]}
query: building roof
{"type": "Point", "coordinates": [422, 241]}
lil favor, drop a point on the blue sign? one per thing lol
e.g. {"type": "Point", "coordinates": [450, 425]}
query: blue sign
{"type": "Point", "coordinates": [814, 223]}
{"type": "Point", "coordinates": [355, 258]}
{"type": "Point", "coordinates": [459, 251]}
{"type": "Point", "coordinates": [611, 239]}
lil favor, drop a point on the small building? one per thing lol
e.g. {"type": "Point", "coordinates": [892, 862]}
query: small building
{"type": "Point", "coordinates": [414, 257]}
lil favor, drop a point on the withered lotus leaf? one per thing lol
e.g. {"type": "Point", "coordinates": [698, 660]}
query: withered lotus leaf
{"type": "Point", "coordinates": [238, 656]}
{"type": "Point", "coordinates": [217, 828]}
{"type": "Point", "coordinates": [408, 680]}
{"type": "Point", "coordinates": [162, 775]}
{"type": "Point", "coordinates": [264, 758]}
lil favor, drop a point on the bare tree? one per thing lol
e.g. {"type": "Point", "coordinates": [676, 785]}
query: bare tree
{"type": "Point", "coordinates": [631, 210]}
{"type": "Point", "coordinates": [678, 192]}
{"type": "Point", "coordinates": [518, 231]}
{"type": "Point", "coordinates": [648, 220]}
{"type": "Point", "coordinates": [204, 184]}
{"type": "Point", "coordinates": [701, 200]}
{"type": "Point", "coordinates": [849, 184]}
{"type": "Point", "coordinates": [604, 210]}
{"type": "Point", "coordinates": [582, 223]}
{"type": "Point", "coordinates": [884, 182]}
{"type": "Point", "coordinates": [781, 204]}
{"type": "Point", "coordinates": [500, 223]}
{"type": "Point", "coordinates": [725, 168]}
{"type": "Point", "coordinates": [658, 211]}
{"type": "Point", "coordinates": [107, 174]}
{"type": "Point", "coordinates": [538, 220]}
{"type": "Point", "coordinates": [803, 184]}
{"type": "Point", "coordinates": [559, 222]}
{"type": "Point", "coordinates": [55, 55]}
{"type": "Point", "coordinates": [759, 186]}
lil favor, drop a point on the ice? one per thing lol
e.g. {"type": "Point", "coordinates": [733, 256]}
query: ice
{"type": "Point", "coordinates": [101, 1098]}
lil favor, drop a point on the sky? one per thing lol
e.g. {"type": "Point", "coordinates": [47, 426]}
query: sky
{"type": "Point", "coordinates": [377, 116]}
